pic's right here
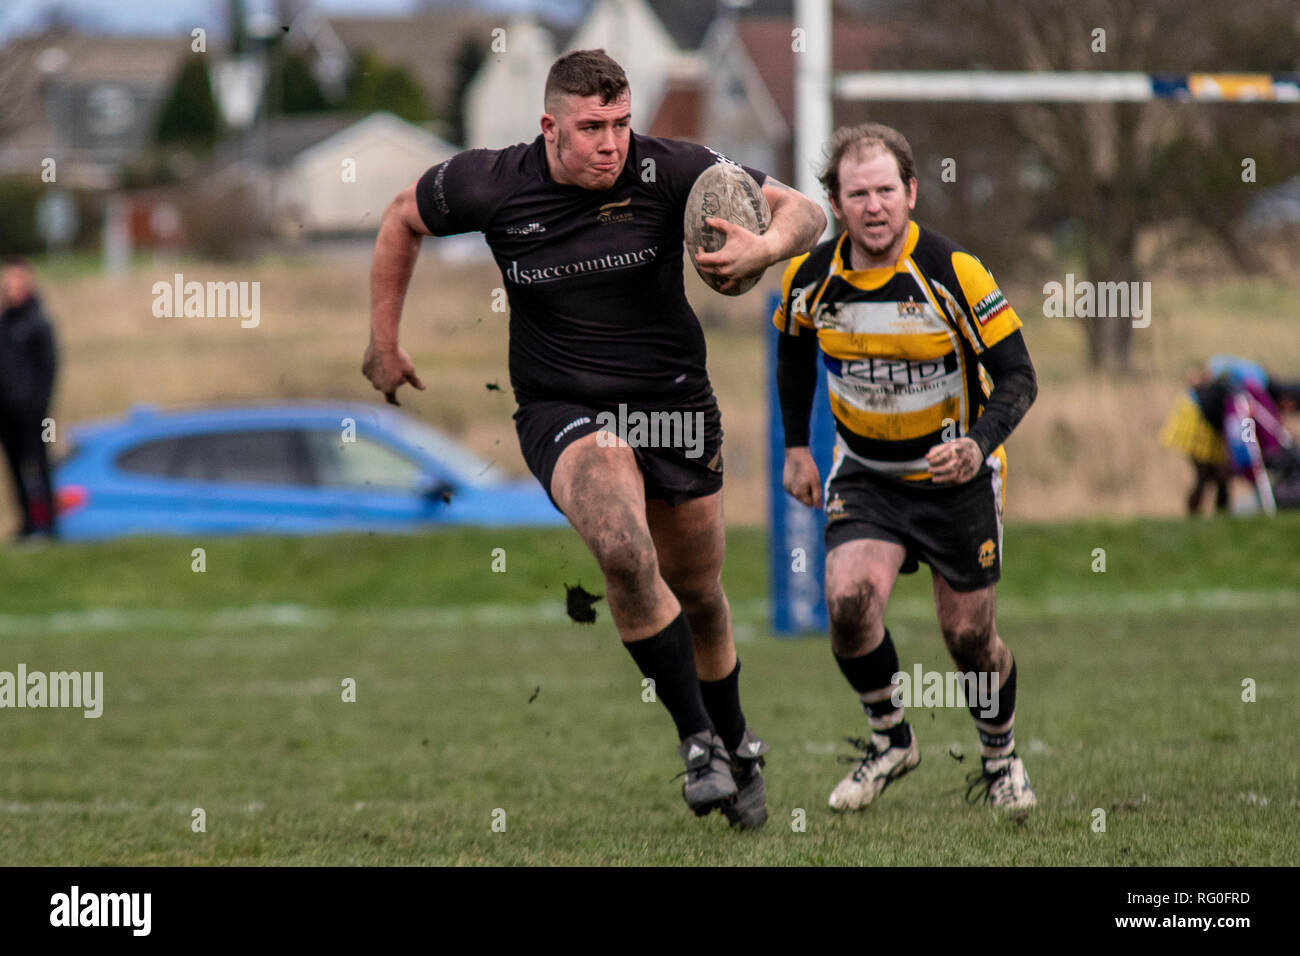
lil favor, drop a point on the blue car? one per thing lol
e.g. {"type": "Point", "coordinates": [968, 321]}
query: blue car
{"type": "Point", "coordinates": [280, 469]}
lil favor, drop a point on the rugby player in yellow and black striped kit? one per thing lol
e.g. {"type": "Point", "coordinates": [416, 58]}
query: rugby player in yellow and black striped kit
{"type": "Point", "coordinates": [928, 374]}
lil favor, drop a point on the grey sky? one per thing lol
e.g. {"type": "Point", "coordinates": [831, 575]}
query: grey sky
{"type": "Point", "coordinates": [161, 16]}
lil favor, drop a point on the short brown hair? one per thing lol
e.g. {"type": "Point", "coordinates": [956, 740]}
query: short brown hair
{"type": "Point", "coordinates": [585, 73]}
{"type": "Point", "coordinates": [851, 139]}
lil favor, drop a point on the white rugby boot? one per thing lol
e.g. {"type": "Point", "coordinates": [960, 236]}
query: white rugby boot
{"type": "Point", "coordinates": [1004, 785]}
{"type": "Point", "coordinates": [879, 766]}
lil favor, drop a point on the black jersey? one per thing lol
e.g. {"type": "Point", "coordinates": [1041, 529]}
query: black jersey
{"type": "Point", "coordinates": [598, 310]}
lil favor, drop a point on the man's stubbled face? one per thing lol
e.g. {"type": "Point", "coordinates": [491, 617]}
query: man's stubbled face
{"type": "Point", "coordinates": [587, 142]}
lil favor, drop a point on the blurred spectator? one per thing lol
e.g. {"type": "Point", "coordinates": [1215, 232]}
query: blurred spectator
{"type": "Point", "coordinates": [27, 362]}
{"type": "Point", "coordinates": [1207, 424]}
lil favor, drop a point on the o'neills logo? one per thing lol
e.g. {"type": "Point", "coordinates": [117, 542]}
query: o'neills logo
{"type": "Point", "coordinates": [617, 260]}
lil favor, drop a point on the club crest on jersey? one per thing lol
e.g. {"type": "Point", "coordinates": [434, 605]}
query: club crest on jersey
{"type": "Point", "coordinates": [991, 305]}
{"type": "Point", "coordinates": [988, 552]}
{"type": "Point", "coordinates": [835, 509]}
{"type": "Point", "coordinates": [827, 316]}
{"type": "Point", "coordinates": [610, 212]}
{"type": "Point", "coordinates": [909, 308]}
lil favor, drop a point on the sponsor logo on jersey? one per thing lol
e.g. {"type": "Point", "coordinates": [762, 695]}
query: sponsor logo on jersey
{"type": "Point", "coordinates": [896, 371]}
{"type": "Point", "coordinates": [988, 553]}
{"type": "Point", "coordinates": [527, 230]}
{"type": "Point", "coordinates": [609, 212]}
{"type": "Point", "coordinates": [615, 260]}
{"type": "Point", "coordinates": [990, 306]}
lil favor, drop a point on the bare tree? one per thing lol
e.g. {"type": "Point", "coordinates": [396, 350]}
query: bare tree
{"type": "Point", "coordinates": [1114, 166]}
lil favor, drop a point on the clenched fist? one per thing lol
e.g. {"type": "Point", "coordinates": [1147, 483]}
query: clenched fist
{"type": "Point", "coordinates": [954, 461]}
{"type": "Point", "coordinates": [800, 477]}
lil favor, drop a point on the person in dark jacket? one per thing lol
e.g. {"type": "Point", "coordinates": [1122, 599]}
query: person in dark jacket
{"type": "Point", "coordinates": [27, 364]}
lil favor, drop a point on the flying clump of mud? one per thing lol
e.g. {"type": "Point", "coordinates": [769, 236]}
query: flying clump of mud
{"type": "Point", "coordinates": [580, 604]}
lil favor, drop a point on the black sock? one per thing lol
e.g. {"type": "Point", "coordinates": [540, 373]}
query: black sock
{"type": "Point", "coordinates": [993, 744]}
{"type": "Point", "coordinates": [872, 674]}
{"type": "Point", "coordinates": [668, 659]}
{"type": "Point", "coordinates": [722, 701]}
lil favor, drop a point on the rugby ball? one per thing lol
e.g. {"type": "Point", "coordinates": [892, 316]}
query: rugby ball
{"type": "Point", "coordinates": [724, 191]}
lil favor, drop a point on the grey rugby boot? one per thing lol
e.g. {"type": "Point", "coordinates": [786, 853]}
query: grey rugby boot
{"type": "Point", "coordinates": [709, 783]}
{"type": "Point", "coordinates": [749, 811]}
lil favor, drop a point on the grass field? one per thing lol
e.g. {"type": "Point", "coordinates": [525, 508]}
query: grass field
{"type": "Point", "coordinates": [222, 691]}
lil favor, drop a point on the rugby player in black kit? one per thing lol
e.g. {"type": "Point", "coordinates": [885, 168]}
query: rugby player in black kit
{"type": "Point", "coordinates": [585, 223]}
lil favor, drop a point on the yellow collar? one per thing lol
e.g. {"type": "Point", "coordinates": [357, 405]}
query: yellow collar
{"type": "Point", "coordinates": [878, 276]}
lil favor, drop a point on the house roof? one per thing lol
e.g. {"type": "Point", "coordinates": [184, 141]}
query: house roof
{"type": "Point", "coordinates": [425, 43]}
{"type": "Point", "coordinates": [141, 60]}
{"type": "Point", "coordinates": [767, 41]}
{"type": "Point", "coordinates": [678, 116]}
{"type": "Point", "coordinates": [288, 137]}
{"type": "Point", "coordinates": [685, 20]}
{"type": "Point", "coordinates": [689, 20]}
{"type": "Point", "coordinates": [379, 122]}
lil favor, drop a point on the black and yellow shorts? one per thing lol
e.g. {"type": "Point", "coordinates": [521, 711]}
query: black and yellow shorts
{"type": "Point", "coordinates": [955, 529]}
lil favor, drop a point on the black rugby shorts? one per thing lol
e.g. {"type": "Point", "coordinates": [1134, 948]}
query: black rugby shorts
{"type": "Point", "coordinates": [679, 457]}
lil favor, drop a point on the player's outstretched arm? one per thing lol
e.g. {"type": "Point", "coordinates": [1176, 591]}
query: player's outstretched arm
{"type": "Point", "coordinates": [386, 364]}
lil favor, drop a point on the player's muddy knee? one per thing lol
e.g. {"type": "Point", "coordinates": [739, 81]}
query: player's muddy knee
{"type": "Point", "coordinates": [700, 595]}
{"type": "Point", "coordinates": [852, 615]}
{"type": "Point", "coordinates": [971, 646]}
{"type": "Point", "coordinates": [626, 556]}
{"type": "Point", "coordinates": [705, 605]}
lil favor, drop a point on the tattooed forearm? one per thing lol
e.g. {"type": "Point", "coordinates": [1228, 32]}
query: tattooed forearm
{"type": "Point", "coordinates": [797, 221]}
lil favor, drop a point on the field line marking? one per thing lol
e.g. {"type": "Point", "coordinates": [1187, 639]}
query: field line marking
{"type": "Point", "coordinates": [750, 610]}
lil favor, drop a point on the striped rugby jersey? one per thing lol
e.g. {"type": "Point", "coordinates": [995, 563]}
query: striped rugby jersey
{"type": "Point", "coordinates": [901, 345]}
